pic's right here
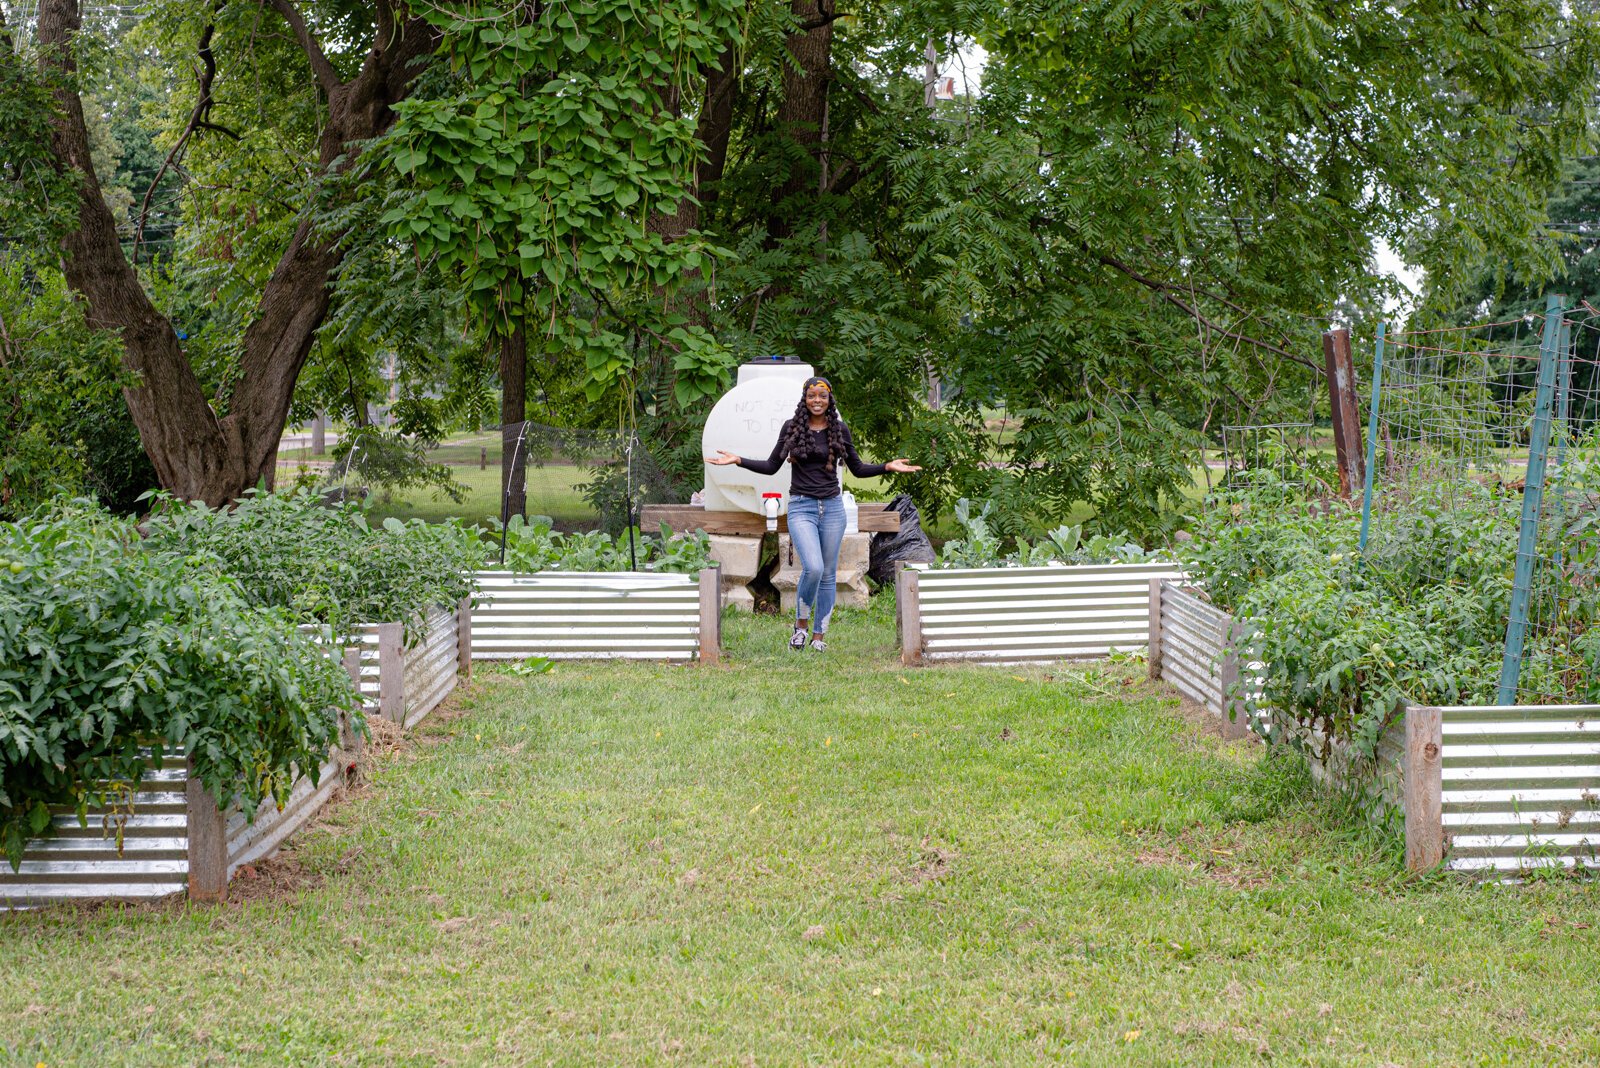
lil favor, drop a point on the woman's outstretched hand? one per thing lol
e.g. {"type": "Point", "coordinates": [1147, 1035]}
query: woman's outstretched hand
{"type": "Point", "coordinates": [722, 459]}
{"type": "Point", "coordinates": [901, 466]}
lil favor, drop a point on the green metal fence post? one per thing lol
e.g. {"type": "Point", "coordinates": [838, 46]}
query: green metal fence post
{"type": "Point", "coordinates": [1532, 501]}
{"type": "Point", "coordinates": [1372, 438]}
{"type": "Point", "coordinates": [1563, 427]}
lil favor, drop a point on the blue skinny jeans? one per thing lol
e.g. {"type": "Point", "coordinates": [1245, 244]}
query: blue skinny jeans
{"type": "Point", "coordinates": [816, 530]}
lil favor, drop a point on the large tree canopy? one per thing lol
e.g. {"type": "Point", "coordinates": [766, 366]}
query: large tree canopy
{"type": "Point", "coordinates": [1129, 237]}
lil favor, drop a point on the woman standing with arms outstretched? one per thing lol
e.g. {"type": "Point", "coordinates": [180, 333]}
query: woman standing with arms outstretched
{"type": "Point", "coordinates": [814, 441]}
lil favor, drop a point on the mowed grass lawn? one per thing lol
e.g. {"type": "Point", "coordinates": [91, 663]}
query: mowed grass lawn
{"type": "Point", "coordinates": [802, 859]}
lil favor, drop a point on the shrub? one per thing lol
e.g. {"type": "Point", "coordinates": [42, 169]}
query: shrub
{"type": "Point", "coordinates": [109, 649]}
{"type": "Point", "coordinates": [533, 546]}
{"type": "Point", "coordinates": [324, 564]}
{"type": "Point", "coordinates": [1422, 619]}
{"type": "Point", "coordinates": [64, 427]}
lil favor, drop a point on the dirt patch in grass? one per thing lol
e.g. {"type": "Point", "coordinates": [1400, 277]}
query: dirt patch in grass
{"type": "Point", "coordinates": [1216, 858]}
{"type": "Point", "coordinates": [285, 875]}
{"type": "Point", "coordinates": [934, 864]}
{"type": "Point", "coordinates": [384, 741]}
{"type": "Point", "coordinates": [277, 878]}
{"type": "Point", "coordinates": [1206, 723]}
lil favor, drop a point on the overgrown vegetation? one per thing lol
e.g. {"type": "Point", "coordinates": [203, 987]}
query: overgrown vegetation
{"type": "Point", "coordinates": [1422, 619]}
{"type": "Point", "coordinates": [111, 649]}
{"type": "Point", "coordinates": [322, 563]}
{"type": "Point", "coordinates": [533, 545]}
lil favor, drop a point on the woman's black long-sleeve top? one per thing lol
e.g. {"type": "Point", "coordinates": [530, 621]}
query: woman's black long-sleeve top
{"type": "Point", "coordinates": [810, 477]}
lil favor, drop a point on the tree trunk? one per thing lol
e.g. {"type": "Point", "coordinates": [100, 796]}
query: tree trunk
{"type": "Point", "coordinates": [687, 214]}
{"type": "Point", "coordinates": [715, 126]}
{"type": "Point", "coordinates": [513, 425]}
{"type": "Point", "coordinates": [197, 453]}
{"type": "Point", "coordinates": [712, 130]}
{"type": "Point", "coordinates": [802, 115]}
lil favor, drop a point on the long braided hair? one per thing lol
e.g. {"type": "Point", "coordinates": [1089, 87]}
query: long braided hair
{"type": "Point", "coordinates": [797, 446]}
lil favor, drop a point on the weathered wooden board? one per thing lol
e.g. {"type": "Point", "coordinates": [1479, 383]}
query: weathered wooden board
{"type": "Point", "coordinates": [872, 518]}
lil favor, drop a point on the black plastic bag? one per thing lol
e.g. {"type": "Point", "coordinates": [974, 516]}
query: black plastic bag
{"type": "Point", "coordinates": [909, 543]}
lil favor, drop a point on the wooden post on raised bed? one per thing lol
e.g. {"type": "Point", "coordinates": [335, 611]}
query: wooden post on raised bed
{"type": "Point", "coordinates": [909, 605]}
{"type": "Point", "coordinates": [1424, 788]}
{"type": "Point", "coordinates": [208, 842]}
{"type": "Point", "coordinates": [711, 615]}
{"type": "Point", "coordinates": [391, 672]}
{"type": "Point", "coordinates": [1153, 653]}
{"type": "Point", "coordinates": [899, 617]}
{"type": "Point", "coordinates": [464, 639]}
{"type": "Point", "coordinates": [1235, 713]}
{"type": "Point", "coordinates": [349, 739]}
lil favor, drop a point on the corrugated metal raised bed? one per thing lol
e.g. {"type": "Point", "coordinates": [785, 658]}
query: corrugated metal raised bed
{"type": "Point", "coordinates": [403, 683]}
{"type": "Point", "coordinates": [164, 839]}
{"type": "Point", "coordinates": [1483, 789]}
{"type": "Point", "coordinates": [1519, 786]}
{"type": "Point", "coordinates": [1197, 647]}
{"type": "Point", "coordinates": [79, 863]}
{"type": "Point", "coordinates": [596, 615]}
{"type": "Point", "coordinates": [1026, 614]}
{"type": "Point", "coordinates": [175, 838]}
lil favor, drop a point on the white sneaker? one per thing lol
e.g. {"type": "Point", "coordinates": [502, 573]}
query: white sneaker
{"type": "Point", "coordinates": [797, 641]}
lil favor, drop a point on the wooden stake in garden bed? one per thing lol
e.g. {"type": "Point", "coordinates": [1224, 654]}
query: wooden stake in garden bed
{"type": "Point", "coordinates": [208, 842]}
{"type": "Point", "coordinates": [909, 605]}
{"type": "Point", "coordinates": [391, 672]}
{"type": "Point", "coordinates": [1424, 788]}
{"type": "Point", "coordinates": [711, 615]}
{"type": "Point", "coordinates": [464, 639]}
{"type": "Point", "coordinates": [1235, 708]}
{"type": "Point", "coordinates": [1153, 649]}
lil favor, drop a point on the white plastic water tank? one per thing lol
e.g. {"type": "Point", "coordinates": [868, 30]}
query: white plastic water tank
{"type": "Point", "coordinates": [745, 421]}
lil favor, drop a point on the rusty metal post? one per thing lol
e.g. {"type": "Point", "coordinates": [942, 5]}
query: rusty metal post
{"type": "Point", "coordinates": [1346, 412]}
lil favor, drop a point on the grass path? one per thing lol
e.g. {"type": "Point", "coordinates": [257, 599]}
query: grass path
{"type": "Point", "coordinates": [804, 860]}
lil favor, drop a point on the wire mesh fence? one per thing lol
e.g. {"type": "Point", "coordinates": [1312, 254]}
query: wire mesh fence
{"type": "Point", "coordinates": [1285, 451]}
{"type": "Point", "coordinates": [1482, 448]}
{"type": "Point", "coordinates": [589, 479]}
{"type": "Point", "coordinates": [575, 478]}
{"type": "Point", "coordinates": [1558, 572]}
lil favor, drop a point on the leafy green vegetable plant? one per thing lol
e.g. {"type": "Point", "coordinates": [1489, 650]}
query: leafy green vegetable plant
{"type": "Point", "coordinates": [113, 651]}
{"type": "Point", "coordinates": [1343, 642]}
{"type": "Point", "coordinates": [982, 547]}
{"type": "Point", "coordinates": [532, 546]}
{"type": "Point", "coordinates": [321, 563]}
